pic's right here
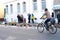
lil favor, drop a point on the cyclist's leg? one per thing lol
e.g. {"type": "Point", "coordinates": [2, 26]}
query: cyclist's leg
{"type": "Point", "coordinates": [46, 23]}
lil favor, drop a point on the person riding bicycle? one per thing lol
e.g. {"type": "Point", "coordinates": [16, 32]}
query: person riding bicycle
{"type": "Point", "coordinates": [48, 18]}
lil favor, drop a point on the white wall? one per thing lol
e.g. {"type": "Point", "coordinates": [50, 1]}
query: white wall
{"type": "Point", "coordinates": [29, 9]}
{"type": "Point", "coordinates": [11, 15]}
{"type": "Point", "coordinates": [49, 4]}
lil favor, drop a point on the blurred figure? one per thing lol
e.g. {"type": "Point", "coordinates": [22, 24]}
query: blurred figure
{"type": "Point", "coordinates": [35, 21]}
{"type": "Point", "coordinates": [52, 14]}
{"type": "Point", "coordinates": [20, 18]}
{"type": "Point", "coordinates": [52, 19]}
{"type": "Point", "coordinates": [48, 16]}
{"type": "Point", "coordinates": [32, 18]}
{"type": "Point", "coordinates": [29, 17]}
{"type": "Point", "coordinates": [5, 21]}
{"type": "Point", "coordinates": [58, 17]}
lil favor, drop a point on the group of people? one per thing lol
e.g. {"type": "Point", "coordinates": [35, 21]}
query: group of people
{"type": "Point", "coordinates": [31, 18]}
{"type": "Point", "coordinates": [21, 19]}
{"type": "Point", "coordinates": [48, 16]}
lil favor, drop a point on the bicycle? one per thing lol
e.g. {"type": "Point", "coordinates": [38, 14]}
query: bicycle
{"type": "Point", "coordinates": [52, 27]}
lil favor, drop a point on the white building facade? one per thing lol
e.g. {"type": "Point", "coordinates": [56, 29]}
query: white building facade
{"type": "Point", "coordinates": [14, 7]}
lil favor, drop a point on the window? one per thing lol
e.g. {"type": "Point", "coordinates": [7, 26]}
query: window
{"type": "Point", "coordinates": [34, 4]}
{"type": "Point", "coordinates": [43, 4]}
{"type": "Point", "coordinates": [18, 7]}
{"type": "Point", "coordinates": [56, 2]}
{"type": "Point", "coordinates": [11, 8]}
{"type": "Point", "coordinates": [24, 6]}
{"type": "Point", "coordinates": [4, 12]}
{"type": "Point", "coordinates": [6, 8]}
{"type": "Point", "coordinates": [34, 0]}
{"type": "Point", "coordinates": [43, 0]}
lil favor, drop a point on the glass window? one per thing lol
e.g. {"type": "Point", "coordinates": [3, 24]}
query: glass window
{"type": "Point", "coordinates": [43, 0]}
{"type": "Point", "coordinates": [34, 0]}
{"type": "Point", "coordinates": [11, 8]}
{"type": "Point", "coordinates": [24, 6]}
{"type": "Point", "coordinates": [43, 4]}
{"type": "Point", "coordinates": [34, 4]}
{"type": "Point", "coordinates": [18, 7]}
{"type": "Point", "coordinates": [6, 8]}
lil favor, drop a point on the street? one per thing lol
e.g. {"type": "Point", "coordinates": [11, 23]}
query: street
{"type": "Point", "coordinates": [18, 33]}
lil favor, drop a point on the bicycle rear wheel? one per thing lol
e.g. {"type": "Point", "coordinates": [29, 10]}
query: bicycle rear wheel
{"type": "Point", "coordinates": [40, 28]}
{"type": "Point", "coordinates": [53, 29]}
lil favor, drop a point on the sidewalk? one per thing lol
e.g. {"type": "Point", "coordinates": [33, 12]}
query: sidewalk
{"type": "Point", "coordinates": [23, 27]}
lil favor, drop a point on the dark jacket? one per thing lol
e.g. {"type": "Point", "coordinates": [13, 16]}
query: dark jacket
{"type": "Point", "coordinates": [29, 16]}
{"type": "Point", "coordinates": [20, 19]}
{"type": "Point", "coordinates": [58, 16]}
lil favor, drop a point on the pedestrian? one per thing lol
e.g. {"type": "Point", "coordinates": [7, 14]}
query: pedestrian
{"type": "Point", "coordinates": [52, 19]}
{"type": "Point", "coordinates": [18, 16]}
{"type": "Point", "coordinates": [20, 20]}
{"type": "Point", "coordinates": [32, 18]}
{"type": "Point", "coordinates": [35, 21]}
{"type": "Point", "coordinates": [29, 17]}
{"type": "Point", "coordinates": [52, 14]}
{"type": "Point", "coordinates": [58, 17]}
{"type": "Point", "coordinates": [5, 21]}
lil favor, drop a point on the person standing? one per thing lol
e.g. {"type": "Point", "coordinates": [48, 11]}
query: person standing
{"type": "Point", "coordinates": [29, 17]}
{"type": "Point", "coordinates": [58, 17]}
{"type": "Point", "coordinates": [32, 18]}
{"type": "Point", "coordinates": [52, 19]}
{"type": "Point", "coordinates": [20, 18]}
{"type": "Point", "coordinates": [52, 14]}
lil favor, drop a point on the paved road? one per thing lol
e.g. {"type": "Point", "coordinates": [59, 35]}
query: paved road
{"type": "Point", "coordinates": [17, 33]}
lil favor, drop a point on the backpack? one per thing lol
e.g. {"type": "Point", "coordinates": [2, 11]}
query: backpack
{"type": "Point", "coordinates": [52, 20]}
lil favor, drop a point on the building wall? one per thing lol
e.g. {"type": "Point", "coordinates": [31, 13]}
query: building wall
{"type": "Point", "coordinates": [1, 11]}
{"type": "Point", "coordinates": [29, 9]}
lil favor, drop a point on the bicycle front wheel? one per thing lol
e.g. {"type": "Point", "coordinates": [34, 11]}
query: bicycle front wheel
{"type": "Point", "coordinates": [40, 28]}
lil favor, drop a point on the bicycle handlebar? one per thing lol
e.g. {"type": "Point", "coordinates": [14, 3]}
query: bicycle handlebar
{"type": "Point", "coordinates": [42, 18]}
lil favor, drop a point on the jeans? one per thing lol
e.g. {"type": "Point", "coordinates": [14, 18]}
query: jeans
{"type": "Point", "coordinates": [29, 21]}
{"type": "Point", "coordinates": [46, 23]}
{"type": "Point", "coordinates": [32, 21]}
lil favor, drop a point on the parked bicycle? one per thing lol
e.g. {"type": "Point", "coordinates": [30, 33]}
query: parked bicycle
{"type": "Point", "coordinates": [52, 27]}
